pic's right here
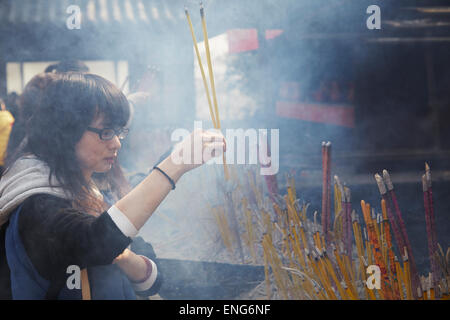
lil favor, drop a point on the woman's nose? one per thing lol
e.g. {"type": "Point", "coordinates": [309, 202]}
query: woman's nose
{"type": "Point", "coordinates": [115, 143]}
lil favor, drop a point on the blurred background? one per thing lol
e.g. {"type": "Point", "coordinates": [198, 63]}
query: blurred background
{"type": "Point", "coordinates": [311, 69]}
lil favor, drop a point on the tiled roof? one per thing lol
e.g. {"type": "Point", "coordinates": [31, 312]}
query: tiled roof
{"type": "Point", "coordinates": [16, 12]}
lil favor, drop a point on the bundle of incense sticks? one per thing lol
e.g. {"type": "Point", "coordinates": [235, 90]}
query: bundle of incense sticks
{"type": "Point", "coordinates": [214, 113]}
{"type": "Point", "coordinates": [398, 234]}
{"type": "Point", "coordinates": [298, 262]}
{"type": "Point", "coordinates": [345, 208]}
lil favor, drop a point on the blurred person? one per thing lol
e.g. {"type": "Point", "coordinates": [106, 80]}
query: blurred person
{"type": "Point", "coordinates": [67, 66]}
{"type": "Point", "coordinates": [12, 103]}
{"type": "Point", "coordinates": [6, 123]}
{"type": "Point", "coordinates": [27, 102]}
{"type": "Point", "coordinates": [54, 214]}
{"type": "Point", "coordinates": [31, 96]}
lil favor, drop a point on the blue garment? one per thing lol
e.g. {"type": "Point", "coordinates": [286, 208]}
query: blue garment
{"type": "Point", "coordinates": [106, 282]}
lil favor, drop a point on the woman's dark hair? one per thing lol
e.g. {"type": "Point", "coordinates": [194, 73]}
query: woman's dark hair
{"type": "Point", "coordinates": [70, 103]}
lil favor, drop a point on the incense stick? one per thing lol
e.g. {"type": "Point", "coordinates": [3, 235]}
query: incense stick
{"type": "Point", "coordinates": [432, 222]}
{"type": "Point", "coordinates": [401, 223]}
{"type": "Point", "coordinates": [214, 114]}
{"type": "Point", "coordinates": [326, 161]}
{"type": "Point", "coordinates": [194, 40]}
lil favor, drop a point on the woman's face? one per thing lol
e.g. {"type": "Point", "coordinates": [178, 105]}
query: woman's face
{"type": "Point", "coordinates": [94, 154]}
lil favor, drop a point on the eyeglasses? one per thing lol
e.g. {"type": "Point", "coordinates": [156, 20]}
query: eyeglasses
{"type": "Point", "coordinates": [109, 133]}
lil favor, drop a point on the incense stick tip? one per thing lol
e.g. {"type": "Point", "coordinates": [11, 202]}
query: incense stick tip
{"type": "Point", "coordinates": [348, 194]}
{"type": "Point", "coordinates": [353, 216]}
{"type": "Point", "coordinates": [424, 184]}
{"type": "Point", "coordinates": [387, 180]}
{"type": "Point", "coordinates": [380, 183]}
{"type": "Point", "coordinates": [428, 175]}
{"type": "Point", "coordinates": [419, 292]}
{"type": "Point", "coordinates": [379, 218]}
{"type": "Point", "coordinates": [341, 247]}
{"type": "Point", "coordinates": [405, 257]}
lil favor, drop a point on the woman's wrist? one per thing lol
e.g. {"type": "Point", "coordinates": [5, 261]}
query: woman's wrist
{"type": "Point", "coordinates": [174, 171]}
{"type": "Point", "coordinates": [132, 265]}
{"type": "Point", "coordinates": [150, 278]}
{"type": "Point", "coordinates": [148, 272]}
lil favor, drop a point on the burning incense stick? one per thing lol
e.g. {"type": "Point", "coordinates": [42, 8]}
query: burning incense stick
{"type": "Point", "coordinates": [358, 241]}
{"type": "Point", "coordinates": [194, 40]}
{"type": "Point", "coordinates": [342, 208]}
{"type": "Point", "coordinates": [431, 286]}
{"type": "Point", "coordinates": [208, 59]}
{"type": "Point", "coordinates": [326, 161]}
{"type": "Point", "coordinates": [432, 222]}
{"type": "Point", "coordinates": [324, 189]}
{"type": "Point", "coordinates": [426, 203]}
{"type": "Point", "coordinates": [401, 223]}
{"type": "Point", "coordinates": [424, 287]}
{"type": "Point", "coordinates": [328, 149]}
{"type": "Point", "coordinates": [214, 114]}
{"type": "Point", "coordinates": [211, 79]}
{"type": "Point", "coordinates": [390, 253]}
{"type": "Point", "coordinates": [395, 228]}
{"type": "Point", "coordinates": [348, 207]}
{"type": "Point", "coordinates": [407, 275]}
{"type": "Point", "coordinates": [431, 206]}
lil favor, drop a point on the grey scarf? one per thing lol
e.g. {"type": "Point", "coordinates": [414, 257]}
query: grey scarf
{"type": "Point", "coordinates": [26, 177]}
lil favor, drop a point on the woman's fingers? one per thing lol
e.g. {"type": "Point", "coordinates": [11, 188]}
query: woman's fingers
{"type": "Point", "coordinates": [200, 147]}
{"type": "Point", "coordinates": [214, 139]}
{"type": "Point", "coordinates": [212, 150]}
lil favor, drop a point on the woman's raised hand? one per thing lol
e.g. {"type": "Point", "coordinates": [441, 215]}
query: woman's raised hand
{"type": "Point", "coordinates": [198, 148]}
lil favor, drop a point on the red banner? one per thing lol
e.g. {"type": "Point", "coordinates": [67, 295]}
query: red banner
{"type": "Point", "coordinates": [241, 40]}
{"type": "Point", "coordinates": [341, 115]}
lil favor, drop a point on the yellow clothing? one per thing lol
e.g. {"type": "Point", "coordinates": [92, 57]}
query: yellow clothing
{"type": "Point", "coordinates": [6, 123]}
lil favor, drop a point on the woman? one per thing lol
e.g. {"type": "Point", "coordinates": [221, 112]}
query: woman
{"type": "Point", "coordinates": [58, 218]}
